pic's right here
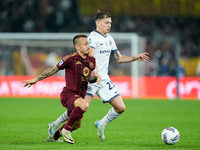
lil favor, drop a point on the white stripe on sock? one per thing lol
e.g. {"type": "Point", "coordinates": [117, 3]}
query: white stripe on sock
{"type": "Point", "coordinates": [64, 117]}
{"type": "Point", "coordinates": [110, 116]}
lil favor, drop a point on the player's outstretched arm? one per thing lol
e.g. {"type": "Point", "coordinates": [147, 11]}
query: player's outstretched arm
{"type": "Point", "coordinates": [47, 73]}
{"type": "Point", "coordinates": [125, 59]}
{"type": "Point", "coordinates": [143, 56]}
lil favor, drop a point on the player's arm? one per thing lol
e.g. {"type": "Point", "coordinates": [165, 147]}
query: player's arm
{"type": "Point", "coordinates": [47, 73]}
{"type": "Point", "coordinates": [94, 76]}
{"type": "Point", "coordinates": [92, 51]}
{"type": "Point", "coordinates": [126, 59]}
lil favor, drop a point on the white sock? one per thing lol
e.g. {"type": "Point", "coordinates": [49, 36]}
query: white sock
{"type": "Point", "coordinates": [64, 117]}
{"type": "Point", "coordinates": [110, 116]}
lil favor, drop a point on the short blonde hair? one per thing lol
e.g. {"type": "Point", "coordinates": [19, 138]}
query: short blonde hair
{"type": "Point", "coordinates": [75, 39]}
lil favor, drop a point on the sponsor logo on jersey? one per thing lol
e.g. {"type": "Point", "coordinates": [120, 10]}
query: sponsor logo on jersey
{"type": "Point", "coordinates": [104, 51]}
{"type": "Point", "coordinates": [101, 43]}
{"type": "Point", "coordinates": [61, 62]}
{"type": "Point", "coordinates": [84, 79]}
{"type": "Point", "coordinates": [78, 62]}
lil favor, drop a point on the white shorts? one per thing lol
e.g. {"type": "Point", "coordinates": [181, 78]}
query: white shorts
{"type": "Point", "coordinates": [106, 90]}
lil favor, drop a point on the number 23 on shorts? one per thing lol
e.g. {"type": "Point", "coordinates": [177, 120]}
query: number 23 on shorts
{"type": "Point", "coordinates": [110, 85]}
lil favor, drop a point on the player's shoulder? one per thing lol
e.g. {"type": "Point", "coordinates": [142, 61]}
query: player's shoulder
{"type": "Point", "coordinates": [91, 58]}
{"type": "Point", "coordinates": [70, 56]}
{"type": "Point", "coordinates": [109, 36]}
{"type": "Point", "coordinates": [93, 32]}
{"type": "Point", "coordinates": [92, 35]}
{"type": "Point", "coordinates": [91, 61]}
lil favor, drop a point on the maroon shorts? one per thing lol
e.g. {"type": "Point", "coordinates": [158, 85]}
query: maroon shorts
{"type": "Point", "coordinates": [67, 98]}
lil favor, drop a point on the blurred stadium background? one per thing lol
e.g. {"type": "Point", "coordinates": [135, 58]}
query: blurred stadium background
{"type": "Point", "coordinates": [168, 29]}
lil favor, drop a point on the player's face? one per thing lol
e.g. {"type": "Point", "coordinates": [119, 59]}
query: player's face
{"type": "Point", "coordinates": [104, 25]}
{"type": "Point", "coordinates": [83, 46]}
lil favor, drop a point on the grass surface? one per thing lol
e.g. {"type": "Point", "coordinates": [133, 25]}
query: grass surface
{"type": "Point", "coordinates": [23, 125]}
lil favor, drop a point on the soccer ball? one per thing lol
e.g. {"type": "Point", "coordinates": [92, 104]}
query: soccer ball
{"type": "Point", "coordinates": [170, 135]}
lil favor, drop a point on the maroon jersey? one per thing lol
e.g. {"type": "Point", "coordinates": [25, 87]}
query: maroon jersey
{"type": "Point", "coordinates": [77, 72]}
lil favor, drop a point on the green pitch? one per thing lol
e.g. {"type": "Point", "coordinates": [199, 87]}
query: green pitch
{"type": "Point", "coordinates": [23, 125]}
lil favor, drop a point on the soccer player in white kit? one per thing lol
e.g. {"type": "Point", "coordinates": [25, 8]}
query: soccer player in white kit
{"type": "Point", "coordinates": [102, 46]}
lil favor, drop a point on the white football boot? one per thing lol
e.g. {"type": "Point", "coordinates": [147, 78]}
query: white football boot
{"type": "Point", "coordinates": [67, 136]}
{"type": "Point", "coordinates": [100, 130]}
{"type": "Point", "coordinates": [49, 139]}
{"type": "Point", "coordinates": [52, 128]}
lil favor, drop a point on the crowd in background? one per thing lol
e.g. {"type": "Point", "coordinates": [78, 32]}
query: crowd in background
{"type": "Point", "coordinates": [63, 16]}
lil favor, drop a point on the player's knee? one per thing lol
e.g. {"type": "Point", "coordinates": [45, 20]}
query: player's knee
{"type": "Point", "coordinates": [121, 109]}
{"type": "Point", "coordinates": [85, 106]}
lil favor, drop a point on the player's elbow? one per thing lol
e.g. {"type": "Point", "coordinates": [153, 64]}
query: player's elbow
{"type": "Point", "coordinates": [120, 61]}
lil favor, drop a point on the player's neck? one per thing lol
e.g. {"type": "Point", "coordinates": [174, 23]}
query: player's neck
{"type": "Point", "coordinates": [82, 55]}
{"type": "Point", "coordinates": [97, 29]}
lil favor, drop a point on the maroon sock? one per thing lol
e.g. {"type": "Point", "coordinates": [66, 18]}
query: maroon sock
{"type": "Point", "coordinates": [76, 114]}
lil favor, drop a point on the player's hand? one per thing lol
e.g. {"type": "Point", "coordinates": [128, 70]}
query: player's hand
{"type": "Point", "coordinates": [143, 56]}
{"type": "Point", "coordinates": [98, 79]}
{"type": "Point", "coordinates": [30, 82]}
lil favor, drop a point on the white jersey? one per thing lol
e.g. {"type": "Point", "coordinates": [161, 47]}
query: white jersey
{"type": "Point", "coordinates": [104, 46]}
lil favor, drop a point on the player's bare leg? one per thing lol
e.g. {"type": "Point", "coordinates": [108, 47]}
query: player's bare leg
{"type": "Point", "coordinates": [88, 99]}
{"type": "Point", "coordinates": [117, 109]}
{"type": "Point", "coordinates": [118, 104]}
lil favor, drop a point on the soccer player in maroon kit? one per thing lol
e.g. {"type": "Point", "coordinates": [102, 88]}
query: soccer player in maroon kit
{"type": "Point", "coordinates": [79, 70]}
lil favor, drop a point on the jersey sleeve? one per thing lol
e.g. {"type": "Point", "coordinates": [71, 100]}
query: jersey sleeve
{"type": "Point", "coordinates": [94, 61]}
{"type": "Point", "coordinates": [64, 63]}
{"type": "Point", "coordinates": [113, 45]}
{"type": "Point", "coordinates": [93, 41]}
{"type": "Point", "coordinates": [92, 66]}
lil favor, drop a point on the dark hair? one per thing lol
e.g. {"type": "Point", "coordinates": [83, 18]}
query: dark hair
{"type": "Point", "coordinates": [77, 37]}
{"type": "Point", "coordinates": [102, 15]}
